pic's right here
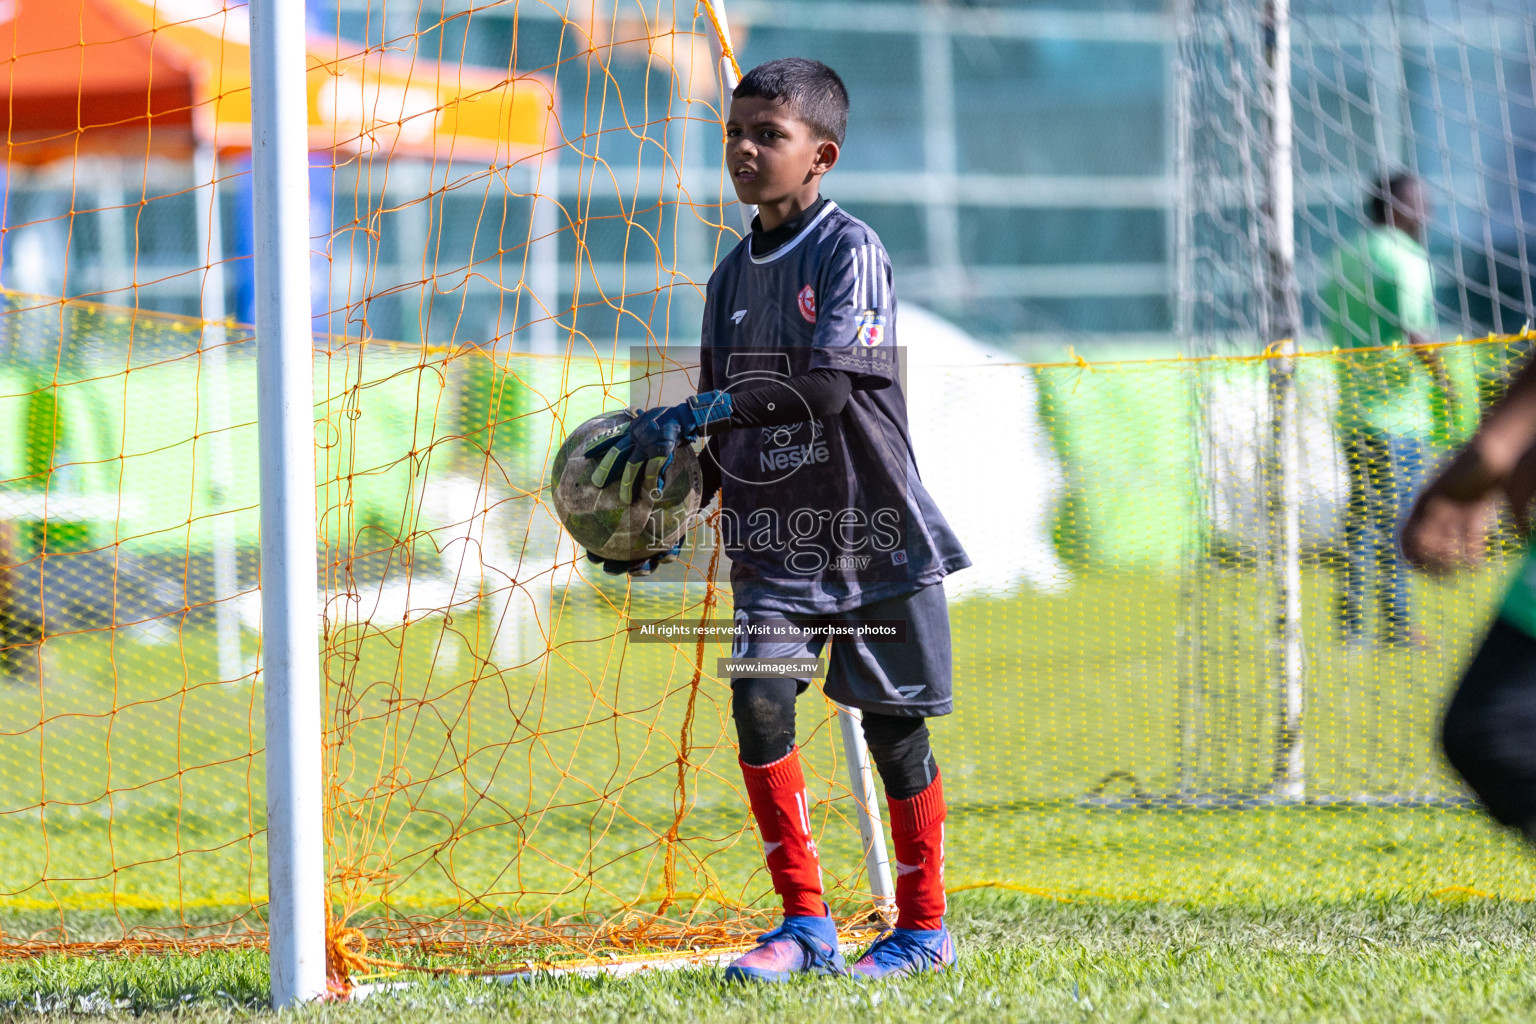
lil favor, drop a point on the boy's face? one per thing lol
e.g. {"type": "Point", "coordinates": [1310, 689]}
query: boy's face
{"type": "Point", "coordinates": [772, 155]}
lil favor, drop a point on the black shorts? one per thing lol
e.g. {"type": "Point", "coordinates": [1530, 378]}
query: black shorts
{"type": "Point", "coordinates": [1489, 732]}
{"type": "Point", "coordinates": [910, 678]}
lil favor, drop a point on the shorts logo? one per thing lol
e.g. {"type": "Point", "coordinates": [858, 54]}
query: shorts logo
{"type": "Point", "coordinates": [738, 316]}
{"type": "Point", "coordinates": [898, 558]}
{"type": "Point", "coordinates": [807, 302]}
{"type": "Point", "coordinates": [871, 327]}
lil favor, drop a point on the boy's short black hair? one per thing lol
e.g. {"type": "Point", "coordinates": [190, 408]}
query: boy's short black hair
{"type": "Point", "coordinates": [812, 91]}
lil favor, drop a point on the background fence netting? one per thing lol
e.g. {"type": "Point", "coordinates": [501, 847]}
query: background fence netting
{"type": "Point", "coordinates": [504, 767]}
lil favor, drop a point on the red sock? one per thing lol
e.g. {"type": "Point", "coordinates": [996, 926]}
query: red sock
{"type": "Point", "coordinates": [782, 809]}
{"type": "Point", "coordinates": [917, 833]}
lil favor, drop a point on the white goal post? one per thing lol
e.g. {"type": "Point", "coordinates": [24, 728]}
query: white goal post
{"type": "Point", "coordinates": [296, 890]}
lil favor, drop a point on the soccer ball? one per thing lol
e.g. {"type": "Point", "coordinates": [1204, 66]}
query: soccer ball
{"type": "Point", "coordinates": [607, 526]}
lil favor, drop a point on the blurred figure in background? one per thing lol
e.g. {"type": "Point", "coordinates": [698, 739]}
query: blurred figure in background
{"type": "Point", "coordinates": [1381, 293]}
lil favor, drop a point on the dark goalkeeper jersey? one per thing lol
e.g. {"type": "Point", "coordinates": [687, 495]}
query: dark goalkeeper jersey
{"type": "Point", "coordinates": [829, 514]}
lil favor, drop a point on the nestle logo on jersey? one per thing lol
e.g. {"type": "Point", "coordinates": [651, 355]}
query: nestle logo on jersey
{"type": "Point", "coordinates": [788, 451]}
{"type": "Point", "coordinates": [780, 459]}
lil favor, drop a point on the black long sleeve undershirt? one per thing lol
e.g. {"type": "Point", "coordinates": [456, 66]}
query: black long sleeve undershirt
{"type": "Point", "coordinates": [808, 396]}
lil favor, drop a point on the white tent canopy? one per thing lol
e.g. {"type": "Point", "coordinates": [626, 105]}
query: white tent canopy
{"type": "Point", "coordinates": [984, 455]}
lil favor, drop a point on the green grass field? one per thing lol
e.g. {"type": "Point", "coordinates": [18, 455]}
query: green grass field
{"type": "Point", "coordinates": [1021, 959]}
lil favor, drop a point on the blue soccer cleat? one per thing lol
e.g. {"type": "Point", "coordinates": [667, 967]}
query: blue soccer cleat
{"type": "Point", "coordinates": [903, 951]}
{"type": "Point", "coordinates": [801, 945]}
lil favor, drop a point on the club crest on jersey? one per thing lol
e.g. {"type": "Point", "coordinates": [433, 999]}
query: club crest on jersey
{"type": "Point", "coordinates": [807, 302]}
{"type": "Point", "coordinates": [871, 327]}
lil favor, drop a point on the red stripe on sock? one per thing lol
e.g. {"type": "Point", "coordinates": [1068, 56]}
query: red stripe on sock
{"type": "Point", "coordinates": [782, 808]}
{"type": "Point", "coordinates": [917, 834]}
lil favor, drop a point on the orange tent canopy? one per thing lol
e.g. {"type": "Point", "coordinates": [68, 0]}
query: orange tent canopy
{"type": "Point", "coordinates": [82, 76]}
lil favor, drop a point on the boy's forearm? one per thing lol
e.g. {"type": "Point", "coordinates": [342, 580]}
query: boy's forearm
{"type": "Point", "coordinates": [809, 396]}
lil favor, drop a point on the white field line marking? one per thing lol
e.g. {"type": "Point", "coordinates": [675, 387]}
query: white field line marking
{"type": "Point", "coordinates": [618, 969]}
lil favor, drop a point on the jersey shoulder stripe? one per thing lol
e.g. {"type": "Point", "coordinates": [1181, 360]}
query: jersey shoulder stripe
{"type": "Point", "coordinates": [869, 267]}
{"type": "Point", "coordinates": [866, 261]}
{"type": "Point", "coordinates": [871, 283]}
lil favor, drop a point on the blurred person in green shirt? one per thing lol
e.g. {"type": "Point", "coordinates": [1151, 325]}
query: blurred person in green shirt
{"type": "Point", "coordinates": [1381, 294]}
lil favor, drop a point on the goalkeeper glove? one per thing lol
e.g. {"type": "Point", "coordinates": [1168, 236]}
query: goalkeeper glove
{"type": "Point", "coordinates": [647, 444]}
{"type": "Point", "coordinates": [641, 567]}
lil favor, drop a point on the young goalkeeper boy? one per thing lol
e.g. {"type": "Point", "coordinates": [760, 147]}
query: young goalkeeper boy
{"type": "Point", "coordinates": [822, 512]}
